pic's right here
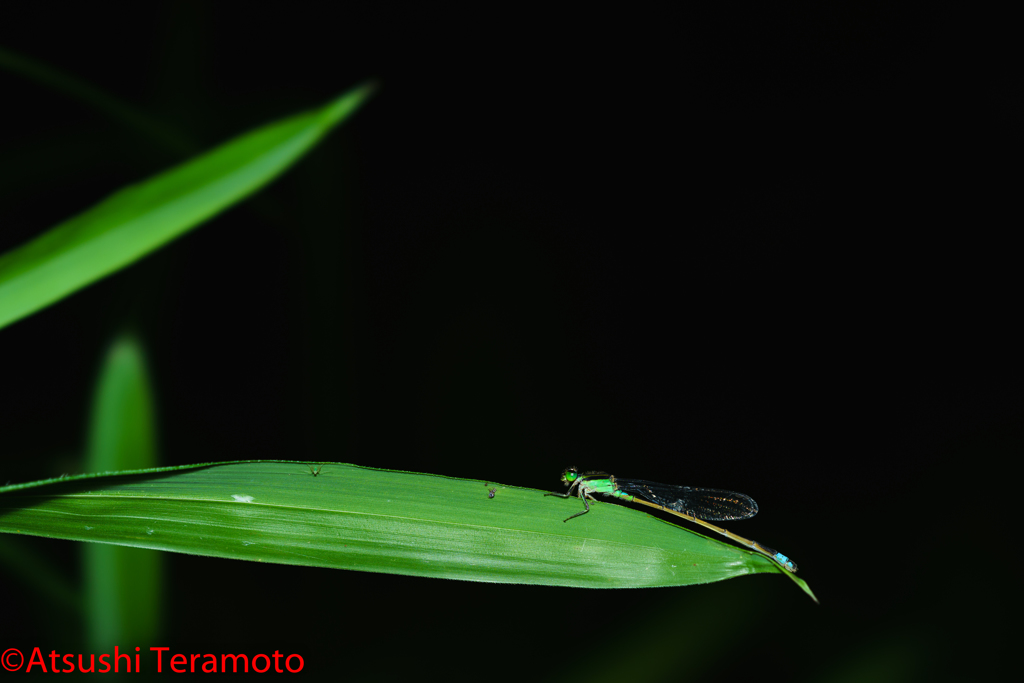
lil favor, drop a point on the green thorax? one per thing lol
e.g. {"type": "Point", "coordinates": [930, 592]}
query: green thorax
{"type": "Point", "coordinates": [601, 483]}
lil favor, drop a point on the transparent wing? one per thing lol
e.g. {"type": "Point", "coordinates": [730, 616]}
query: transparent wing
{"type": "Point", "coordinates": [709, 504]}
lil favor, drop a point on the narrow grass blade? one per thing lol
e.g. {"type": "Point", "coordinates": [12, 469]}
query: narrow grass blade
{"type": "Point", "coordinates": [139, 219]}
{"type": "Point", "coordinates": [30, 571]}
{"type": "Point", "coordinates": [122, 585]}
{"type": "Point", "coordinates": [89, 95]}
{"type": "Point", "coordinates": [350, 517]}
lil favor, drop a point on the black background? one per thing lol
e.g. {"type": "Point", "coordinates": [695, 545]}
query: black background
{"type": "Point", "coordinates": [770, 253]}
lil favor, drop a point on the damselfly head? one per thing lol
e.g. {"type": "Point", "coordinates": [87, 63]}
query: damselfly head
{"type": "Point", "coordinates": [570, 475]}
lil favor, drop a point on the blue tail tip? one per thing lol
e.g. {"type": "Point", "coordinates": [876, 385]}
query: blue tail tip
{"type": "Point", "coordinates": [785, 562]}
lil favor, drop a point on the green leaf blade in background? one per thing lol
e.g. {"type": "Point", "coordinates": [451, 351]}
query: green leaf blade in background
{"type": "Point", "coordinates": [358, 518]}
{"type": "Point", "coordinates": [141, 218]}
{"type": "Point", "coordinates": [87, 94]}
{"type": "Point", "coordinates": [123, 586]}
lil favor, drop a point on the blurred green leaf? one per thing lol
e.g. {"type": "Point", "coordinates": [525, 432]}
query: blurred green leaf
{"type": "Point", "coordinates": [351, 517]}
{"type": "Point", "coordinates": [49, 587]}
{"type": "Point", "coordinates": [122, 585]}
{"type": "Point", "coordinates": [74, 88]}
{"type": "Point", "coordinates": [140, 218]}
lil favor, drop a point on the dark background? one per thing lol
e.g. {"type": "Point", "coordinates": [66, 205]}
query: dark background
{"type": "Point", "coordinates": [770, 253]}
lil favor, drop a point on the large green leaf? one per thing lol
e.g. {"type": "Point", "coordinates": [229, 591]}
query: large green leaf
{"type": "Point", "coordinates": [140, 218]}
{"type": "Point", "coordinates": [351, 517]}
